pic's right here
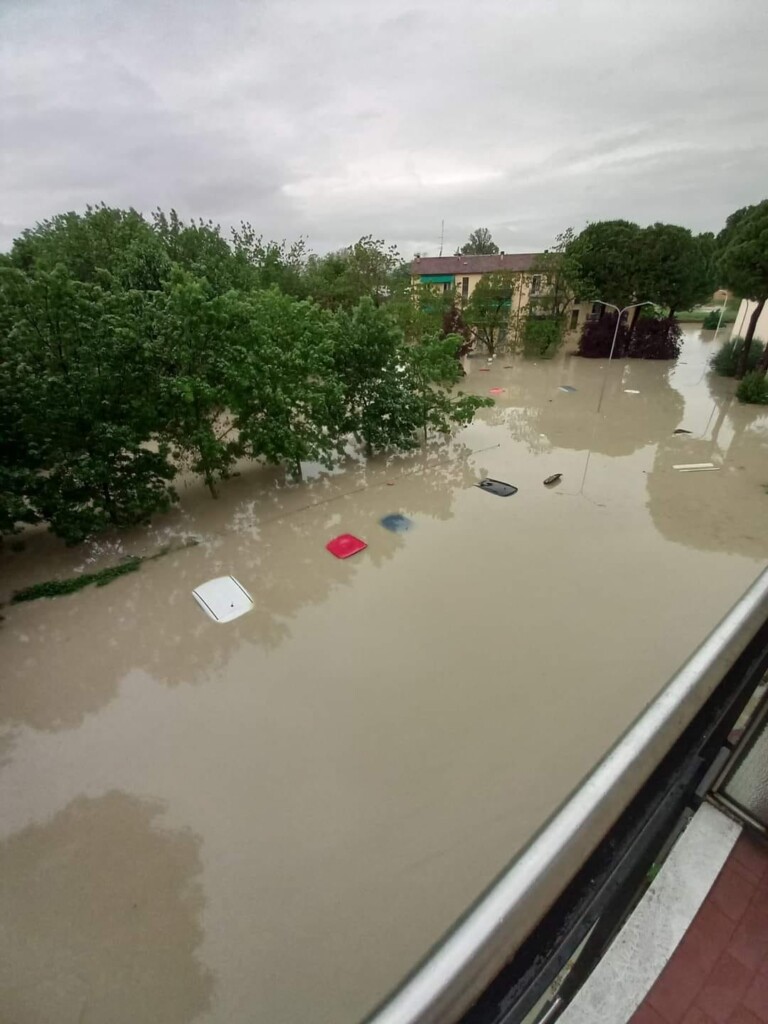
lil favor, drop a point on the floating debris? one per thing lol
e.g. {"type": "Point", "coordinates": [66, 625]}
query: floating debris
{"type": "Point", "coordinates": [497, 391]}
{"type": "Point", "coordinates": [345, 545]}
{"type": "Point", "coordinates": [483, 369]}
{"type": "Point", "coordinates": [567, 388]}
{"type": "Point", "coordinates": [696, 467]}
{"type": "Point", "coordinates": [396, 523]}
{"type": "Point", "coordinates": [554, 479]}
{"type": "Point", "coordinates": [631, 391]}
{"type": "Point", "coordinates": [223, 599]}
{"type": "Point", "coordinates": [497, 487]}
{"type": "Point", "coordinates": [681, 431]}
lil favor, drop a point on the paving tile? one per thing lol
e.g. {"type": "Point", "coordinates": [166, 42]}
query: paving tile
{"type": "Point", "coordinates": [749, 943]}
{"type": "Point", "coordinates": [697, 1016]}
{"type": "Point", "coordinates": [756, 998]}
{"type": "Point", "coordinates": [751, 854]}
{"type": "Point", "coordinates": [733, 890]}
{"type": "Point", "coordinates": [677, 986]}
{"type": "Point", "coordinates": [741, 1015]}
{"type": "Point", "coordinates": [724, 988]}
{"type": "Point", "coordinates": [709, 935]}
{"type": "Point", "coordinates": [646, 1014]}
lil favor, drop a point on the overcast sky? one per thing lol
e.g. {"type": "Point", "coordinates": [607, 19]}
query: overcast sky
{"type": "Point", "coordinates": [336, 118]}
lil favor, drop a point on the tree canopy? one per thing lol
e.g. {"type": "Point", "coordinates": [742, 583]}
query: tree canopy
{"type": "Point", "coordinates": [131, 350]}
{"type": "Point", "coordinates": [744, 266]}
{"type": "Point", "coordinates": [479, 243]}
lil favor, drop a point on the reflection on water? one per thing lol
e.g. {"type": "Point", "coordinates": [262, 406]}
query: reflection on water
{"type": "Point", "coordinates": [363, 752]}
{"type": "Point", "coordinates": [101, 908]}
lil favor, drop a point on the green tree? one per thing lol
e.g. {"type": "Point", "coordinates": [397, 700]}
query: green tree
{"type": "Point", "coordinates": [72, 363]}
{"type": "Point", "coordinates": [118, 242]}
{"type": "Point", "coordinates": [419, 309]}
{"type": "Point", "coordinates": [276, 264]}
{"type": "Point", "coordinates": [286, 400]}
{"type": "Point", "coordinates": [197, 346]}
{"type": "Point", "coordinates": [479, 243]}
{"type": "Point", "coordinates": [341, 279]}
{"type": "Point", "coordinates": [606, 258]}
{"type": "Point", "coordinates": [489, 308]}
{"type": "Point", "coordinates": [674, 270]}
{"type": "Point", "coordinates": [200, 248]}
{"type": "Point", "coordinates": [743, 266]}
{"type": "Point", "coordinates": [429, 370]}
{"type": "Point", "coordinates": [541, 324]}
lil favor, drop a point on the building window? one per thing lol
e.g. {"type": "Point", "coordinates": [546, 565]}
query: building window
{"type": "Point", "coordinates": [596, 307]}
{"type": "Point", "coordinates": [464, 287]}
{"type": "Point", "coordinates": [536, 284]}
{"type": "Point", "coordinates": [574, 319]}
{"type": "Point", "coordinates": [447, 286]}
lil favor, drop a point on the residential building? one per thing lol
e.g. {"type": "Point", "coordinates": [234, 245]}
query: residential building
{"type": "Point", "coordinates": [461, 274]}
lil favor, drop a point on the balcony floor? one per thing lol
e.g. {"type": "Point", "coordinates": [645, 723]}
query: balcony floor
{"type": "Point", "coordinates": [719, 972]}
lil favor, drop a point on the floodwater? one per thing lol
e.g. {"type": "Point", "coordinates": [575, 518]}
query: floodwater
{"type": "Point", "coordinates": [272, 820]}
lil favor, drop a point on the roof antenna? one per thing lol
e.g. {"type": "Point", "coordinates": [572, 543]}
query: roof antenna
{"type": "Point", "coordinates": [442, 235]}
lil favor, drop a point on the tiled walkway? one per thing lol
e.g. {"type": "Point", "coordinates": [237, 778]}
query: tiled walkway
{"type": "Point", "coordinates": [719, 972]}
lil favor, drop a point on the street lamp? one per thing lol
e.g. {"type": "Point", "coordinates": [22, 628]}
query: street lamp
{"type": "Point", "coordinates": [619, 314]}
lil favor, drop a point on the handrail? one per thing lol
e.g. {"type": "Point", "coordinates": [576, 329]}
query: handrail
{"type": "Point", "coordinates": [460, 967]}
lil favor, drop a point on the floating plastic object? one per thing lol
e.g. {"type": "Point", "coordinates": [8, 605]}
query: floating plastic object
{"type": "Point", "coordinates": [223, 599]}
{"type": "Point", "coordinates": [631, 391]}
{"type": "Point", "coordinates": [345, 545]}
{"type": "Point", "coordinates": [496, 391]}
{"type": "Point", "coordinates": [681, 431]}
{"type": "Point", "coordinates": [484, 369]}
{"type": "Point", "coordinates": [554, 479]}
{"type": "Point", "coordinates": [696, 467]}
{"type": "Point", "coordinates": [396, 523]}
{"type": "Point", "coordinates": [567, 388]}
{"type": "Point", "coordinates": [497, 487]}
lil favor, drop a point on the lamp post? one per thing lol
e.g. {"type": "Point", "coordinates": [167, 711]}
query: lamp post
{"type": "Point", "coordinates": [619, 314]}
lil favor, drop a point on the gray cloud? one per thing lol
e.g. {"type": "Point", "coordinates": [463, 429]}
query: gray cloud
{"type": "Point", "coordinates": [331, 118]}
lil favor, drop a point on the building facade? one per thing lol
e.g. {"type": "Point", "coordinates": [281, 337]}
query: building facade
{"type": "Point", "coordinates": [461, 274]}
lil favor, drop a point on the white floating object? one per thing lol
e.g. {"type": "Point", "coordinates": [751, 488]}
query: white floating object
{"type": "Point", "coordinates": [696, 467]}
{"type": "Point", "coordinates": [223, 599]}
{"type": "Point", "coordinates": [631, 391]}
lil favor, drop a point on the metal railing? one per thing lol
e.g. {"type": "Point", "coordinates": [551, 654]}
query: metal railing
{"type": "Point", "coordinates": [463, 964]}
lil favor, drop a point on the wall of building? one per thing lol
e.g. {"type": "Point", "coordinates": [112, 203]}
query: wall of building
{"type": "Point", "coordinates": [520, 300]}
{"type": "Point", "coordinates": [742, 321]}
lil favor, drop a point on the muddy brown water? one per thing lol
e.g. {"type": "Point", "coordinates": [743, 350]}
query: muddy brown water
{"type": "Point", "coordinates": [272, 820]}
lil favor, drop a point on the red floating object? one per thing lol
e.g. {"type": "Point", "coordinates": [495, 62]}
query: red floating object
{"type": "Point", "coordinates": [496, 391]}
{"type": "Point", "coordinates": [345, 545]}
{"type": "Point", "coordinates": [484, 369]}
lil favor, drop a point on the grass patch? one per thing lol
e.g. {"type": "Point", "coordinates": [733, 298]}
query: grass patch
{"type": "Point", "coordinates": [698, 316]}
{"type": "Point", "coordinates": [55, 588]}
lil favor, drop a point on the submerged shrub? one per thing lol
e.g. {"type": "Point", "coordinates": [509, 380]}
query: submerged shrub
{"type": "Point", "coordinates": [726, 360]}
{"type": "Point", "coordinates": [753, 389]}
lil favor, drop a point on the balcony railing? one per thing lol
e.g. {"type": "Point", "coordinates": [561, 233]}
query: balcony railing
{"type": "Point", "coordinates": [676, 733]}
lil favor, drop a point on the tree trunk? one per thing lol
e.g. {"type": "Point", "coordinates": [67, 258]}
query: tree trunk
{"type": "Point", "coordinates": [742, 367]}
{"type": "Point", "coordinates": [671, 313]}
{"type": "Point", "coordinates": [210, 483]}
{"type": "Point", "coordinates": [109, 504]}
{"type": "Point", "coordinates": [635, 318]}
